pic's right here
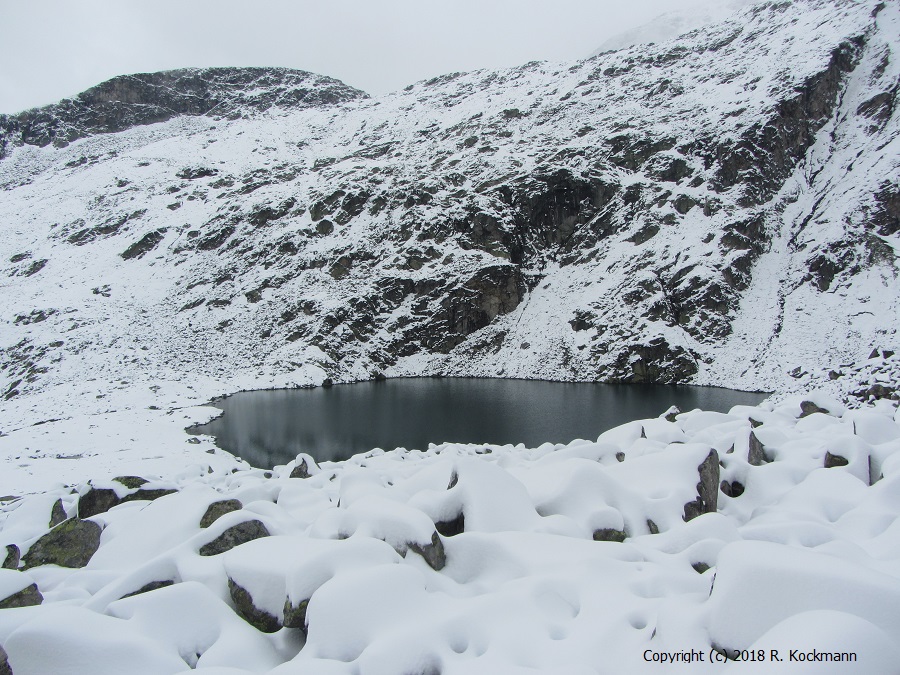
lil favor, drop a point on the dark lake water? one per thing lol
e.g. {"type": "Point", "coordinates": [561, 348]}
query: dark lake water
{"type": "Point", "coordinates": [271, 427]}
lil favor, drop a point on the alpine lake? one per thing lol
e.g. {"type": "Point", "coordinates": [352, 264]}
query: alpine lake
{"type": "Point", "coordinates": [271, 427]}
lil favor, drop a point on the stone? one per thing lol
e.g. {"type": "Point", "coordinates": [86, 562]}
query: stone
{"type": "Point", "coordinates": [832, 461]}
{"type": "Point", "coordinates": [652, 527]}
{"type": "Point", "coordinates": [11, 561]}
{"type": "Point", "coordinates": [218, 509]}
{"type": "Point", "coordinates": [301, 470]}
{"type": "Point", "coordinates": [433, 553]}
{"type": "Point", "coordinates": [131, 482]}
{"type": "Point", "coordinates": [707, 489]}
{"type": "Point", "coordinates": [57, 513]}
{"type": "Point", "coordinates": [700, 567]}
{"type": "Point", "coordinates": [70, 544]}
{"type": "Point", "coordinates": [5, 668]}
{"type": "Point", "coordinates": [146, 243]}
{"type": "Point", "coordinates": [27, 597]}
{"type": "Point", "coordinates": [756, 454]}
{"type": "Point", "coordinates": [809, 408]}
{"type": "Point", "coordinates": [295, 615]}
{"type": "Point", "coordinates": [96, 501]}
{"type": "Point", "coordinates": [235, 536]}
{"type": "Point", "coordinates": [146, 588]}
{"type": "Point", "coordinates": [256, 617]}
{"type": "Point", "coordinates": [148, 495]}
{"type": "Point", "coordinates": [609, 534]}
{"type": "Point", "coordinates": [672, 413]}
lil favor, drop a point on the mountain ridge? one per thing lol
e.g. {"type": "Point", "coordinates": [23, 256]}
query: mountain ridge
{"type": "Point", "coordinates": [672, 213]}
{"type": "Point", "coordinates": [138, 99]}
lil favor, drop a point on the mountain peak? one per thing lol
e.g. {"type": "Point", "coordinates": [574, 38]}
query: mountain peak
{"type": "Point", "coordinates": [147, 98]}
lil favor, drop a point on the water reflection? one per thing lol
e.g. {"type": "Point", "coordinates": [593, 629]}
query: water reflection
{"type": "Point", "coordinates": [271, 427]}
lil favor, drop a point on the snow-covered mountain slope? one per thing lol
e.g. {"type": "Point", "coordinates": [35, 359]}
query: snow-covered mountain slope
{"type": "Point", "coordinates": [720, 209]}
{"type": "Point", "coordinates": [674, 23]}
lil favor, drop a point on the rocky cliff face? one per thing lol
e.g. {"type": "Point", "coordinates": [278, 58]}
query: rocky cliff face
{"type": "Point", "coordinates": [719, 209]}
{"type": "Point", "coordinates": [147, 98]}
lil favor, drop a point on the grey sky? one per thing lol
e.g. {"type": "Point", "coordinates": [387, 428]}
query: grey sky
{"type": "Point", "coordinates": [50, 49]}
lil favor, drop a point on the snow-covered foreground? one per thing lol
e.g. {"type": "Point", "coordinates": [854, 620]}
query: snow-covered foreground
{"type": "Point", "coordinates": [771, 529]}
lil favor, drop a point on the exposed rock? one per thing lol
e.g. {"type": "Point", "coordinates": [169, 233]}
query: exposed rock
{"type": "Point", "coordinates": [100, 500]}
{"type": "Point", "coordinates": [652, 527]}
{"type": "Point", "coordinates": [218, 509]}
{"type": "Point", "coordinates": [301, 470]}
{"type": "Point", "coordinates": [195, 172]}
{"type": "Point", "coordinates": [656, 361]}
{"type": "Point", "coordinates": [243, 604]}
{"type": "Point", "coordinates": [235, 536]}
{"type": "Point", "coordinates": [707, 489]}
{"type": "Point", "coordinates": [433, 553]}
{"type": "Point", "coordinates": [57, 513]}
{"type": "Point", "coordinates": [131, 482]}
{"type": "Point", "coordinates": [148, 495]}
{"type": "Point", "coordinates": [147, 98]}
{"type": "Point", "coordinates": [144, 245]}
{"type": "Point", "coordinates": [5, 668]}
{"type": "Point", "coordinates": [27, 597]}
{"type": "Point", "coordinates": [809, 408]}
{"type": "Point", "coordinates": [295, 615]}
{"type": "Point", "coordinates": [11, 561]}
{"type": "Point", "coordinates": [152, 586]}
{"type": "Point", "coordinates": [756, 455]}
{"type": "Point", "coordinates": [700, 567]}
{"type": "Point", "coordinates": [96, 501]}
{"type": "Point", "coordinates": [71, 544]}
{"type": "Point", "coordinates": [609, 534]}
{"type": "Point", "coordinates": [834, 460]}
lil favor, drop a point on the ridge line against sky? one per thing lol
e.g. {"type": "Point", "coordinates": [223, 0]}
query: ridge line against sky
{"type": "Point", "coordinates": [53, 49]}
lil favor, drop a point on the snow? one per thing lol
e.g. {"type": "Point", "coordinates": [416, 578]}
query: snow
{"type": "Point", "coordinates": [795, 556]}
{"type": "Point", "coordinates": [806, 558]}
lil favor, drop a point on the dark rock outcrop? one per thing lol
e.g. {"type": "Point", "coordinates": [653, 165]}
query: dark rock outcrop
{"type": "Point", "coordinates": [609, 534]}
{"type": "Point", "coordinates": [27, 597]}
{"type": "Point", "coordinates": [433, 552]}
{"type": "Point", "coordinates": [218, 509]}
{"type": "Point", "coordinates": [147, 98]}
{"type": "Point", "coordinates": [96, 501]}
{"type": "Point", "coordinates": [707, 489]}
{"type": "Point", "coordinates": [151, 586]}
{"type": "Point", "coordinates": [100, 500]}
{"type": "Point", "coordinates": [301, 470]}
{"type": "Point", "coordinates": [295, 615]}
{"type": "Point", "coordinates": [235, 536]}
{"type": "Point", "coordinates": [71, 544]}
{"type": "Point", "coordinates": [5, 668]}
{"type": "Point", "coordinates": [756, 454]}
{"type": "Point", "coordinates": [256, 617]}
{"type": "Point", "coordinates": [57, 513]}
{"type": "Point", "coordinates": [11, 561]}
{"type": "Point", "coordinates": [834, 460]}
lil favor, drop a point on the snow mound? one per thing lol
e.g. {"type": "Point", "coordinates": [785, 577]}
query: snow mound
{"type": "Point", "coordinates": [770, 529]}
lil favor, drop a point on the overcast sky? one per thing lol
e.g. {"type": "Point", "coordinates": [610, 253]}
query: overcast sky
{"type": "Point", "coordinates": [50, 49]}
